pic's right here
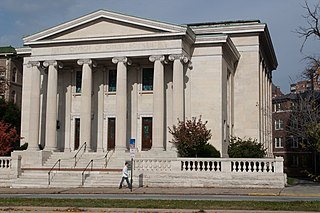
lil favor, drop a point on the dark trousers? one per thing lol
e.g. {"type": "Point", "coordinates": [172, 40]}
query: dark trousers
{"type": "Point", "coordinates": [125, 178]}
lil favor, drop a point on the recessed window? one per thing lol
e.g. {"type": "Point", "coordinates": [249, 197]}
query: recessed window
{"type": "Point", "coordinates": [78, 81]}
{"type": "Point", "coordinates": [147, 79]}
{"type": "Point", "coordinates": [295, 143]}
{"type": "Point", "coordinates": [278, 125]}
{"type": "Point", "coordinates": [278, 143]}
{"type": "Point", "coordinates": [14, 75]}
{"type": "Point", "coordinates": [112, 81]}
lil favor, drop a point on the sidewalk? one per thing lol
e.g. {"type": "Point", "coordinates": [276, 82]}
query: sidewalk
{"type": "Point", "coordinates": [295, 190]}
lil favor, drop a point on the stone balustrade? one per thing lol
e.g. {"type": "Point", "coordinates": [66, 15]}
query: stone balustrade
{"type": "Point", "coordinates": [227, 165]}
{"type": "Point", "coordinates": [5, 163]}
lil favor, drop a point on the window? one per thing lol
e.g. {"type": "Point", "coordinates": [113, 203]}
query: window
{"type": "Point", "coordinates": [278, 124]}
{"type": "Point", "coordinates": [278, 143]}
{"type": "Point", "coordinates": [112, 81]}
{"type": "Point", "coordinates": [13, 97]}
{"type": "Point", "coordinates": [295, 143]}
{"type": "Point", "coordinates": [14, 75]}
{"type": "Point", "coordinates": [277, 107]}
{"type": "Point", "coordinates": [147, 79]}
{"type": "Point", "coordinates": [2, 75]}
{"type": "Point", "coordinates": [78, 81]}
{"type": "Point", "coordinates": [294, 161]}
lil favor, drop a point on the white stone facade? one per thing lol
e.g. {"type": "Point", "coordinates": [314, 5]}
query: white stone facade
{"type": "Point", "coordinates": [219, 71]}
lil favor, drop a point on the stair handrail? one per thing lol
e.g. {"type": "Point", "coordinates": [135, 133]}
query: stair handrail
{"type": "Point", "coordinates": [49, 179]}
{"type": "Point", "coordinates": [84, 149]}
{"type": "Point", "coordinates": [85, 169]}
{"type": "Point", "coordinates": [106, 158]}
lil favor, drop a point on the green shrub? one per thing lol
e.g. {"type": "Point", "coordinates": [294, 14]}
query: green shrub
{"type": "Point", "coordinates": [245, 148]}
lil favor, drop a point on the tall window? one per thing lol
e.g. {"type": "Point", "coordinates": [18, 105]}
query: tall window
{"type": "Point", "coordinates": [278, 124]}
{"type": "Point", "coordinates": [14, 75]}
{"type": "Point", "coordinates": [13, 97]}
{"type": "Point", "coordinates": [78, 81]}
{"type": "Point", "coordinates": [112, 81]}
{"type": "Point", "coordinates": [147, 79]}
{"type": "Point", "coordinates": [278, 143]}
{"type": "Point", "coordinates": [295, 143]}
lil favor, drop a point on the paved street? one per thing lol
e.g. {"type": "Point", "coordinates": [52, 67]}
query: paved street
{"type": "Point", "coordinates": [300, 192]}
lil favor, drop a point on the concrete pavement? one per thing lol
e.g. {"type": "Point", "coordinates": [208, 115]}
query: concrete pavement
{"type": "Point", "coordinates": [311, 190]}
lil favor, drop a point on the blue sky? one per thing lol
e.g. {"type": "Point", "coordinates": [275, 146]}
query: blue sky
{"type": "Point", "coordinates": [19, 18]}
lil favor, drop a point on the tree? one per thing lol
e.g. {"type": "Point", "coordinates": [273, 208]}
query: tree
{"type": "Point", "coordinates": [191, 139]}
{"type": "Point", "coordinates": [304, 122]}
{"type": "Point", "coordinates": [9, 113]}
{"type": "Point", "coordinates": [245, 148]}
{"type": "Point", "coordinates": [8, 138]}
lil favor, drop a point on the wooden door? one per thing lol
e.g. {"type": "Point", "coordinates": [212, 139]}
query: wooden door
{"type": "Point", "coordinates": [146, 133]}
{"type": "Point", "coordinates": [111, 133]}
{"type": "Point", "coordinates": [76, 133]}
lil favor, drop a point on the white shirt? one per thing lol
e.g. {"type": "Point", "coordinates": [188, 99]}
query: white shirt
{"type": "Point", "coordinates": [125, 172]}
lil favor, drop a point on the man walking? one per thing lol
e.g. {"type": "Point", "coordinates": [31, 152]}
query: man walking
{"type": "Point", "coordinates": [125, 176]}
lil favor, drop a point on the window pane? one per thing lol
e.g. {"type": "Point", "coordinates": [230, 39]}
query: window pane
{"type": "Point", "coordinates": [78, 81]}
{"type": "Point", "coordinates": [112, 81]}
{"type": "Point", "coordinates": [147, 79]}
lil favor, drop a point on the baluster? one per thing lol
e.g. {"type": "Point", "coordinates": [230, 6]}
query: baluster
{"type": "Point", "coordinates": [201, 165]}
{"type": "Point", "coordinates": [196, 165]}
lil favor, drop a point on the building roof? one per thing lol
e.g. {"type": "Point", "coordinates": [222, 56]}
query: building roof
{"type": "Point", "coordinates": [7, 50]}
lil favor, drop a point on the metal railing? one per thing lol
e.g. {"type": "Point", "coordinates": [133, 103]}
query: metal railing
{"type": "Point", "coordinates": [84, 146]}
{"type": "Point", "coordinates": [49, 173]}
{"type": "Point", "coordinates": [85, 169]}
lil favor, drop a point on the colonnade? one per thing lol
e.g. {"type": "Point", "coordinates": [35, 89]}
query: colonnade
{"type": "Point", "coordinates": [122, 63]}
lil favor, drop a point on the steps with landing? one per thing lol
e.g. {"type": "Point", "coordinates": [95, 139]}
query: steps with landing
{"type": "Point", "coordinates": [104, 171]}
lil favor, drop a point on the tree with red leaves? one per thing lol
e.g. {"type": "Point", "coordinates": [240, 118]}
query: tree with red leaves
{"type": "Point", "coordinates": [8, 137]}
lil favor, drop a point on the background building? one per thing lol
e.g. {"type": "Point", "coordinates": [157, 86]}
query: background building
{"type": "Point", "coordinates": [11, 70]}
{"type": "Point", "coordinates": [296, 158]}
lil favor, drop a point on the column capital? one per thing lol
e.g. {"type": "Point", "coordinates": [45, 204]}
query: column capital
{"type": "Point", "coordinates": [53, 63]}
{"type": "Point", "coordinates": [124, 60]}
{"type": "Point", "coordinates": [184, 59]}
{"type": "Point", "coordinates": [33, 63]}
{"type": "Point", "coordinates": [160, 58]}
{"type": "Point", "coordinates": [87, 61]}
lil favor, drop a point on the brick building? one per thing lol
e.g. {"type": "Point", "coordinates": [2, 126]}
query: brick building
{"type": "Point", "coordinates": [296, 159]}
{"type": "Point", "coordinates": [11, 66]}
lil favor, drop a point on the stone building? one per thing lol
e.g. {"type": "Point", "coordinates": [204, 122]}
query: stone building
{"type": "Point", "coordinates": [105, 78]}
{"type": "Point", "coordinates": [10, 75]}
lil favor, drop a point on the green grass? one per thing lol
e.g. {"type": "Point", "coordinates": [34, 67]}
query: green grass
{"type": "Point", "coordinates": [163, 204]}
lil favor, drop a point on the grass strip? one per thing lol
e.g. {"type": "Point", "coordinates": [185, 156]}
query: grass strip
{"type": "Point", "coordinates": [163, 204]}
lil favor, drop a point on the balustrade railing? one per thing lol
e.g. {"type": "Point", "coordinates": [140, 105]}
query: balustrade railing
{"type": "Point", "coordinates": [5, 162]}
{"type": "Point", "coordinates": [223, 165]}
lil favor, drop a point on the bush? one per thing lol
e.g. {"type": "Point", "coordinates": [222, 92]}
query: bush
{"type": "Point", "coordinates": [245, 148]}
{"type": "Point", "coordinates": [8, 138]}
{"type": "Point", "coordinates": [191, 139]}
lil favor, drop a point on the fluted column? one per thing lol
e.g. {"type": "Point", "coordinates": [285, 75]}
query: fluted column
{"type": "Point", "coordinates": [158, 103]}
{"type": "Point", "coordinates": [85, 110]}
{"type": "Point", "coordinates": [178, 86]}
{"type": "Point", "coordinates": [34, 106]}
{"type": "Point", "coordinates": [51, 113]}
{"type": "Point", "coordinates": [121, 102]}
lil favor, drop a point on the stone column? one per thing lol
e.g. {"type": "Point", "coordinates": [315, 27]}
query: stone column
{"type": "Point", "coordinates": [158, 103]}
{"type": "Point", "coordinates": [121, 102]}
{"type": "Point", "coordinates": [85, 111]}
{"type": "Point", "coordinates": [34, 106]}
{"type": "Point", "coordinates": [51, 113]}
{"type": "Point", "coordinates": [178, 87]}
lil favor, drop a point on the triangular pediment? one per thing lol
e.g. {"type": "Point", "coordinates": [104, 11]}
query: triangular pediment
{"type": "Point", "coordinates": [103, 24]}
